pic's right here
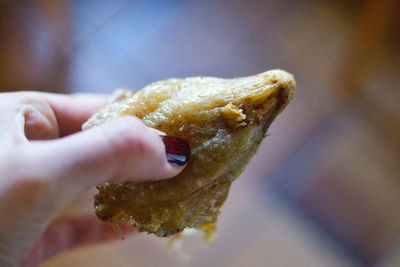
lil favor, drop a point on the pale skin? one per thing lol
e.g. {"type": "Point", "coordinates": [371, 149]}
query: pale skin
{"type": "Point", "coordinates": [47, 162]}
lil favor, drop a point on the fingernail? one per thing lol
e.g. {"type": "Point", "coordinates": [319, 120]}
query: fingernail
{"type": "Point", "coordinates": [177, 150]}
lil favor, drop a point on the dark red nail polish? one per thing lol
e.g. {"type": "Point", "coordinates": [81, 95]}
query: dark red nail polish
{"type": "Point", "coordinates": [177, 150]}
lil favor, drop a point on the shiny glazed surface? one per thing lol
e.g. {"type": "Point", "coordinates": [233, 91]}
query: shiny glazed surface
{"type": "Point", "coordinates": [223, 121]}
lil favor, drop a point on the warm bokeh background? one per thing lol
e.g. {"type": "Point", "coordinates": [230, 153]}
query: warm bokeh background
{"type": "Point", "coordinates": [323, 189]}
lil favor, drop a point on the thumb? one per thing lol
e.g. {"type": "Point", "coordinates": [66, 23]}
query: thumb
{"type": "Point", "coordinates": [122, 149]}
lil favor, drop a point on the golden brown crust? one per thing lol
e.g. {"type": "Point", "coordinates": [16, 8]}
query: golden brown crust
{"type": "Point", "coordinates": [223, 121]}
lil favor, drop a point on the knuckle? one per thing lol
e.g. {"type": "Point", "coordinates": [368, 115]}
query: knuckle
{"type": "Point", "coordinates": [135, 149]}
{"type": "Point", "coordinates": [40, 120]}
{"type": "Point", "coordinates": [131, 137]}
{"type": "Point", "coordinates": [136, 144]}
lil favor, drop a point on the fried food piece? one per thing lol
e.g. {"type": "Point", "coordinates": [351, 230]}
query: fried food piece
{"type": "Point", "coordinates": [222, 120]}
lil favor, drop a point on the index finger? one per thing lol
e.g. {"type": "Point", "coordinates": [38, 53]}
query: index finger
{"type": "Point", "coordinates": [72, 111]}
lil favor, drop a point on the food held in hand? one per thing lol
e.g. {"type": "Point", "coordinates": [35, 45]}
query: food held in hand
{"type": "Point", "coordinates": [222, 120]}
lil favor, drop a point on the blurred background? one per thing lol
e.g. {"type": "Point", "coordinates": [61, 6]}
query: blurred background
{"type": "Point", "coordinates": [324, 187]}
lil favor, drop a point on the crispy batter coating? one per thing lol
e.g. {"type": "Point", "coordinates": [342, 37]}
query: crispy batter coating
{"type": "Point", "coordinates": [223, 121]}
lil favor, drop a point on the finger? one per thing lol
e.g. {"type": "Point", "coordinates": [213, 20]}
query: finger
{"type": "Point", "coordinates": [123, 149]}
{"type": "Point", "coordinates": [40, 121]}
{"type": "Point", "coordinates": [40, 116]}
{"type": "Point", "coordinates": [11, 127]}
{"type": "Point", "coordinates": [26, 116]}
{"type": "Point", "coordinates": [72, 111]}
{"type": "Point", "coordinates": [81, 205]}
{"type": "Point", "coordinates": [71, 232]}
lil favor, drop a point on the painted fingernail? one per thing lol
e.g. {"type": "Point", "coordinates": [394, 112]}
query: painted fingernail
{"type": "Point", "coordinates": [177, 150]}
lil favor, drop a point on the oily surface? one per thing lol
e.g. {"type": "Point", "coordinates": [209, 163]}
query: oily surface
{"type": "Point", "coordinates": [223, 121]}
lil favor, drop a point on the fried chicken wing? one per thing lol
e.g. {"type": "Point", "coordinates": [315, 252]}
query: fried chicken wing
{"type": "Point", "coordinates": [222, 120]}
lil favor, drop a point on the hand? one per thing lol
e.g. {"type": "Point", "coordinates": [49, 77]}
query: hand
{"type": "Point", "coordinates": [46, 162]}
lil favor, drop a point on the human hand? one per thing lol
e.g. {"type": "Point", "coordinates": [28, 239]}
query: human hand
{"type": "Point", "coordinates": [47, 162]}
